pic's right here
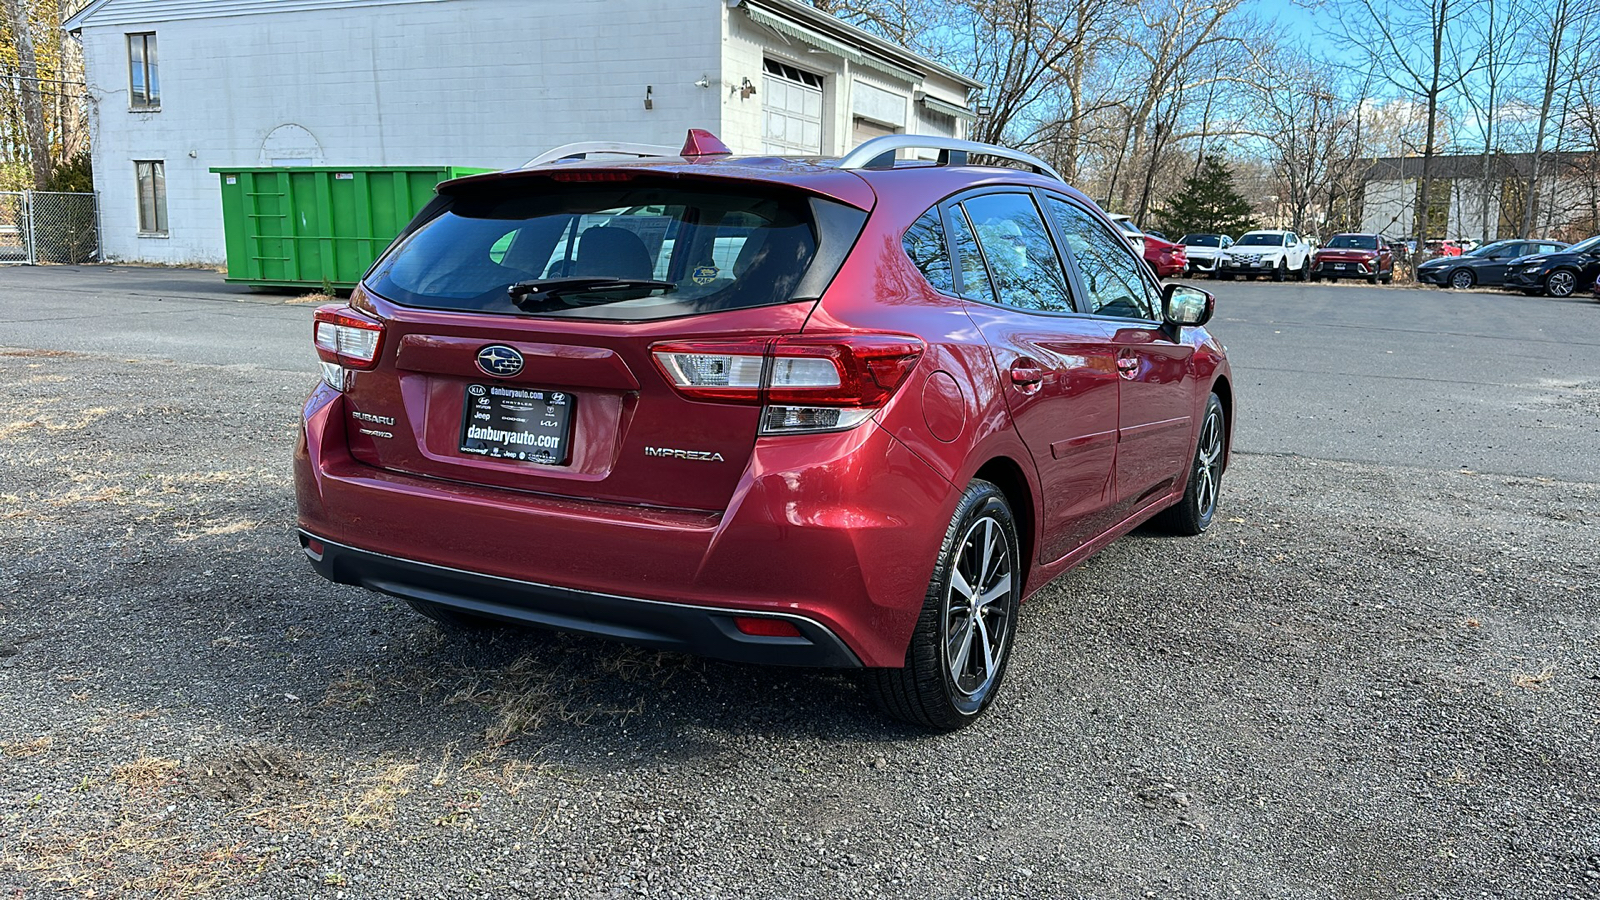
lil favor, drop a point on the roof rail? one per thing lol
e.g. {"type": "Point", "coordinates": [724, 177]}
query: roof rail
{"type": "Point", "coordinates": [585, 149]}
{"type": "Point", "coordinates": [879, 153]}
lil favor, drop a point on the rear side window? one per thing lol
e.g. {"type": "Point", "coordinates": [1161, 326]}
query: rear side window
{"type": "Point", "coordinates": [1023, 264]}
{"type": "Point", "coordinates": [974, 277]}
{"type": "Point", "coordinates": [667, 250]}
{"type": "Point", "coordinates": [924, 243]}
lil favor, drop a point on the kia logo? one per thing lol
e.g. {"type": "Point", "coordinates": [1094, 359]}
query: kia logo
{"type": "Point", "coordinates": [498, 359]}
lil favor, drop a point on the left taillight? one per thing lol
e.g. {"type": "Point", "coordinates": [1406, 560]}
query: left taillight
{"type": "Point", "coordinates": [805, 383]}
{"type": "Point", "coordinates": [345, 340]}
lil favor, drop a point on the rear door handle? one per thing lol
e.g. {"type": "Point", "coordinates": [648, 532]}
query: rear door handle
{"type": "Point", "coordinates": [1025, 373]}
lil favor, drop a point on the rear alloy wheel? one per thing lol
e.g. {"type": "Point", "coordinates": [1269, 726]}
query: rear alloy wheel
{"type": "Point", "coordinates": [1561, 283]}
{"type": "Point", "coordinates": [1193, 514]}
{"type": "Point", "coordinates": [958, 654]}
{"type": "Point", "coordinates": [1461, 279]}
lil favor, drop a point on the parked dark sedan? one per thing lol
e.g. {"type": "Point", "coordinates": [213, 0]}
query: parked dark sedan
{"type": "Point", "coordinates": [1485, 266]}
{"type": "Point", "coordinates": [1559, 274]}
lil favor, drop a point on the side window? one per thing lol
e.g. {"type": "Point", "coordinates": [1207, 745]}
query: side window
{"type": "Point", "coordinates": [924, 243]}
{"type": "Point", "coordinates": [1110, 274]}
{"type": "Point", "coordinates": [144, 78]}
{"type": "Point", "coordinates": [974, 277]}
{"type": "Point", "coordinates": [1023, 264]}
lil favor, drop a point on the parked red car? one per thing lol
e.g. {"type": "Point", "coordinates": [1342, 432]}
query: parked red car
{"type": "Point", "coordinates": [846, 414]}
{"type": "Point", "coordinates": [1166, 259]}
{"type": "Point", "coordinates": [1354, 256]}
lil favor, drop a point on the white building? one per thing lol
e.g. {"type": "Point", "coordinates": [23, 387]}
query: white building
{"type": "Point", "coordinates": [178, 87]}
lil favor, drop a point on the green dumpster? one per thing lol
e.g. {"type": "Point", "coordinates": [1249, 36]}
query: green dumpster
{"type": "Point", "coordinates": [319, 226]}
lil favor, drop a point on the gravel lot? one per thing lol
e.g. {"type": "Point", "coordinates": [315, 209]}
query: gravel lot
{"type": "Point", "coordinates": [1369, 680]}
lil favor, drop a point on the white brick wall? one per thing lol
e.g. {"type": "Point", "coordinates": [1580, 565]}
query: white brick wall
{"type": "Point", "coordinates": [419, 82]}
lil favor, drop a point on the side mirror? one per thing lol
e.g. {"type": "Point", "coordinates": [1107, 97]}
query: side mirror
{"type": "Point", "coordinates": [1186, 307]}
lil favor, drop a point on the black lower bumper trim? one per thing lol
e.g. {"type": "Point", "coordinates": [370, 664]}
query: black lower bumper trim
{"type": "Point", "coordinates": [701, 630]}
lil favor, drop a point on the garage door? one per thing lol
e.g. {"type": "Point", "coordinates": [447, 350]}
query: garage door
{"type": "Point", "coordinates": [866, 129]}
{"type": "Point", "coordinates": [793, 111]}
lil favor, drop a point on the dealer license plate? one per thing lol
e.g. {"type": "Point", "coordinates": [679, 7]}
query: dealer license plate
{"type": "Point", "coordinates": [503, 422]}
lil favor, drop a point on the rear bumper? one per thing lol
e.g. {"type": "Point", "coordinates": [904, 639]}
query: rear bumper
{"type": "Point", "coordinates": [707, 631]}
{"type": "Point", "coordinates": [840, 530]}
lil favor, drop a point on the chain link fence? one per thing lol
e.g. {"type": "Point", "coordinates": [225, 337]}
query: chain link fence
{"type": "Point", "coordinates": [49, 227]}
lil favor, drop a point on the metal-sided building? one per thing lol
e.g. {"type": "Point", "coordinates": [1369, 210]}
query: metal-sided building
{"type": "Point", "coordinates": [178, 87]}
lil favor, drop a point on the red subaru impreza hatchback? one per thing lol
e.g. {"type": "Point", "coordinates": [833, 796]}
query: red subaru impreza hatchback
{"type": "Point", "coordinates": [843, 413]}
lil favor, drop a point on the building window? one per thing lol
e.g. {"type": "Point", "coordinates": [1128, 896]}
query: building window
{"type": "Point", "coordinates": [144, 80]}
{"type": "Point", "coordinates": [152, 176]}
{"type": "Point", "coordinates": [792, 111]}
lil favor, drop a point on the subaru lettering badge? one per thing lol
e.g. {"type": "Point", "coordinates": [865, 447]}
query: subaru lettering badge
{"type": "Point", "coordinates": [498, 359]}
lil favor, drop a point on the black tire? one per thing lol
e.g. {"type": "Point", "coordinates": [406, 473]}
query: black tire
{"type": "Point", "coordinates": [452, 619]}
{"type": "Point", "coordinates": [1194, 513]}
{"type": "Point", "coordinates": [1280, 272]}
{"type": "Point", "coordinates": [1461, 279]}
{"type": "Point", "coordinates": [1373, 278]}
{"type": "Point", "coordinates": [1561, 283]}
{"type": "Point", "coordinates": [1317, 277]}
{"type": "Point", "coordinates": [1305, 270]}
{"type": "Point", "coordinates": [928, 691]}
{"type": "Point", "coordinates": [1389, 278]}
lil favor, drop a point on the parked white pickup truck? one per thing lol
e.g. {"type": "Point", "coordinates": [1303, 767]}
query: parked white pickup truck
{"type": "Point", "coordinates": [1280, 254]}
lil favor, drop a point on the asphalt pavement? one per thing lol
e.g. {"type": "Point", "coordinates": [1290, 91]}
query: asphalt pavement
{"type": "Point", "coordinates": [1376, 676]}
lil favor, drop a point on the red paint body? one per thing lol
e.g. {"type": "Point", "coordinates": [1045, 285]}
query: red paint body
{"type": "Point", "coordinates": [841, 528]}
{"type": "Point", "coordinates": [1166, 258]}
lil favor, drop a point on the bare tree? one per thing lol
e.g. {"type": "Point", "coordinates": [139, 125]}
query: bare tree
{"type": "Point", "coordinates": [18, 17]}
{"type": "Point", "coordinates": [1419, 48]}
{"type": "Point", "coordinates": [1566, 29]}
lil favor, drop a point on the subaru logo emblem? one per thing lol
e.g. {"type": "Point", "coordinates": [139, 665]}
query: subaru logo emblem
{"type": "Point", "coordinates": [498, 359]}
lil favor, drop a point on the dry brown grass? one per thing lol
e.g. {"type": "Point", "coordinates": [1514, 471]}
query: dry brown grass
{"type": "Point", "coordinates": [25, 749]}
{"type": "Point", "coordinates": [147, 773]}
{"type": "Point", "coordinates": [1536, 680]}
{"type": "Point", "coordinates": [318, 297]}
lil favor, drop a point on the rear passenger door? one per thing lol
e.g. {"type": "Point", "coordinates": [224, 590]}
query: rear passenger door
{"type": "Point", "coordinates": [1156, 392]}
{"type": "Point", "coordinates": [1055, 367]}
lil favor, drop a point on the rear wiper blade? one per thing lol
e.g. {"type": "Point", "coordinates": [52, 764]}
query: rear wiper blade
{"type": "Point", "coordinates": [550, 288]}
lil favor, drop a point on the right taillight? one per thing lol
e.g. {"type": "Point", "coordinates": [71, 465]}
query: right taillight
{"type": "Point", "coordinates": [345, 339]}
{"type": "Point", "coordinates": [805, 383]}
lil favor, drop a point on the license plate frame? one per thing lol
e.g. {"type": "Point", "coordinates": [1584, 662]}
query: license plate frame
{"type": "Point", "coordinates": [517, 424]}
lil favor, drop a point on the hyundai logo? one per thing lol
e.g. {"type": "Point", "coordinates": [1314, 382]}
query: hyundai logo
{"type": "Point", "coordinates": [498, 359]}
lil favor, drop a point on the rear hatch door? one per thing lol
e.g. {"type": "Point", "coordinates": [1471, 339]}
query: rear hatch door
{"type": "Point", "coordinates": [520, 317]}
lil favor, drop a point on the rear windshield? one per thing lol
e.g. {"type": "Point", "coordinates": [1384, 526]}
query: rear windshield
{"type": "Point", "coordinates": [1202, 240]}
{"type": "Point", "coordinates": [1353, 242]}
{"type": "Point", "coordinates": [672, 250]}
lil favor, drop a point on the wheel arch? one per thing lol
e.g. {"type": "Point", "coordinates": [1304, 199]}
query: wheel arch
{"type": "Point", "coordinates": [1223, 388]}
{"type": "Point", "coordinates": [1007, 474]}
